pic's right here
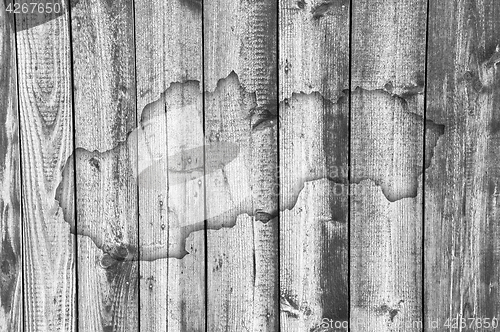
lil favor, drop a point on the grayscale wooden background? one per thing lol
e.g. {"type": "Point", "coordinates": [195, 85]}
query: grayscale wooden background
{"type": "Point", "coordinates": [321, 162]}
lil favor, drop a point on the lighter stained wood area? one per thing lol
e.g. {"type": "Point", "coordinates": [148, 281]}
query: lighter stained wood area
{"type": "Point", "coordinates": [461, 252]}
{"type": "Point", "coordinates": [169, 76]}
{"type": "Point", "coordinates": [241, 111]}
{"type": "Point", "coordinates": [388, 59]}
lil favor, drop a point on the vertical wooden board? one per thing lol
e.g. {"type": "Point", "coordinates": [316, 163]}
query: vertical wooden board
{"type": "Point", "coordinates": [386, 213]}
{"type": "Point", "coordinates": [388, 72]}
{"type": "Point", "coordinates": [46, 132]}
{"type": "Point", "coordinates": [241, 155]}
{"type": "Point", "coordinates": [106, 194]}
{"type": "Point", "coordinates": [314, 122]}
{"type": "Point", "coordinates": [11, 298]}
{"type": "Point", "coordinates": [171, 197]}
{"type": "Point", "coordinates": [461, 193]}
{"type": "Point", "coordinates": [150, 20]}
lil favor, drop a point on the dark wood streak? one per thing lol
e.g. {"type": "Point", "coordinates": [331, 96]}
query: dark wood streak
{"type": "Point", "coordinates": [314, 146]}
{"type": "Point", "coordinates": [240, 43]}
{"type": "Point", "coordinates": [334, 254]}
{"type": "Point", "coordinates": [105, 112]}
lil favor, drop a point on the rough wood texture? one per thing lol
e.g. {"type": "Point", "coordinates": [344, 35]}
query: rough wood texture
{"type": "Point", "coordinates": [11, 298]}
{"type": "Point", "coordinates": [171, 194]}
{"type": "Point", "coordinates": [388, 58]}
{"type": "Point", "coordinates": [106, 193]}
{"type": "Point", "coordinates": [461, 192]}
{"type": "Point", "coordinates": [241, 118]}
{"type": "Point", "coordinates": [314, 76]}
{"type": "Point", "coordinates": [46, 133]}
{"type": "Point", "coordinates": [150, 50]}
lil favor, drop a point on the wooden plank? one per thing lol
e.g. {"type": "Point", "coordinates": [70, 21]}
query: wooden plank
{"type": "Point", "coordinates": [150, 18]}
{"type": "Point", "coordinates": [242, 178]}
{"type": "Point", "coordinates": [388, 71]}
{"type": "Point", "coordinates": [461, 193]}
{"type": "Point", "coordinates": [46, 132]}
{"type": "Point", "coordinates": [314, 76]}
{"type": "Point", "coordinates": [169, 74]}
{"type": "Point", "coordinates": [106, 193]}
{"type": "Point", "coordinates": [11, 298]}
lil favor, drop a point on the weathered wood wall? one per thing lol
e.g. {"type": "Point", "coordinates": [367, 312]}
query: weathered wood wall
{"type": "Point", "coordinates": [240, 79]}
{"type": "Point", "coordinates": [249, 165]}
{"type": "Point", "coordinates": [105, 194]}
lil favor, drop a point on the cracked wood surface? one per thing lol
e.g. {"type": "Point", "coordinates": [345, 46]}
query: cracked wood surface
{"type": "Point", "coordinates": [461, 193]}
{"type": "Point", "coordinates": [46, 135]}
{"type": "Point", "coordinates": [240, 46]}
{"type": "Point", "coordinates": [314, 143]}
{"type": "Point", "coordinates": [169, 50]}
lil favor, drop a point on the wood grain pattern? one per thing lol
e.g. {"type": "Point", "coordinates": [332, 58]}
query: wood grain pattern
{"type": "Point", "coordinates": [314, 286]}
{"type": "Point", "coordinates": [169, 75]}
{"type": "Point", "coordinates": [106, 190]}
{"type": "Point", "coordinates": [314, 141]}
{"type": "Point", "coordinates": [388, 65]}
{"type": "Point", "coordinates": [461, 193]}
{"type": "Point", "coordinates": [46, 132]}
{"type": "Point", "coordinates": [241, 111]}
{"type": "Point", "coordinates": [11, 297]}
{"type": "Point", "coordinates": [150, 20]}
